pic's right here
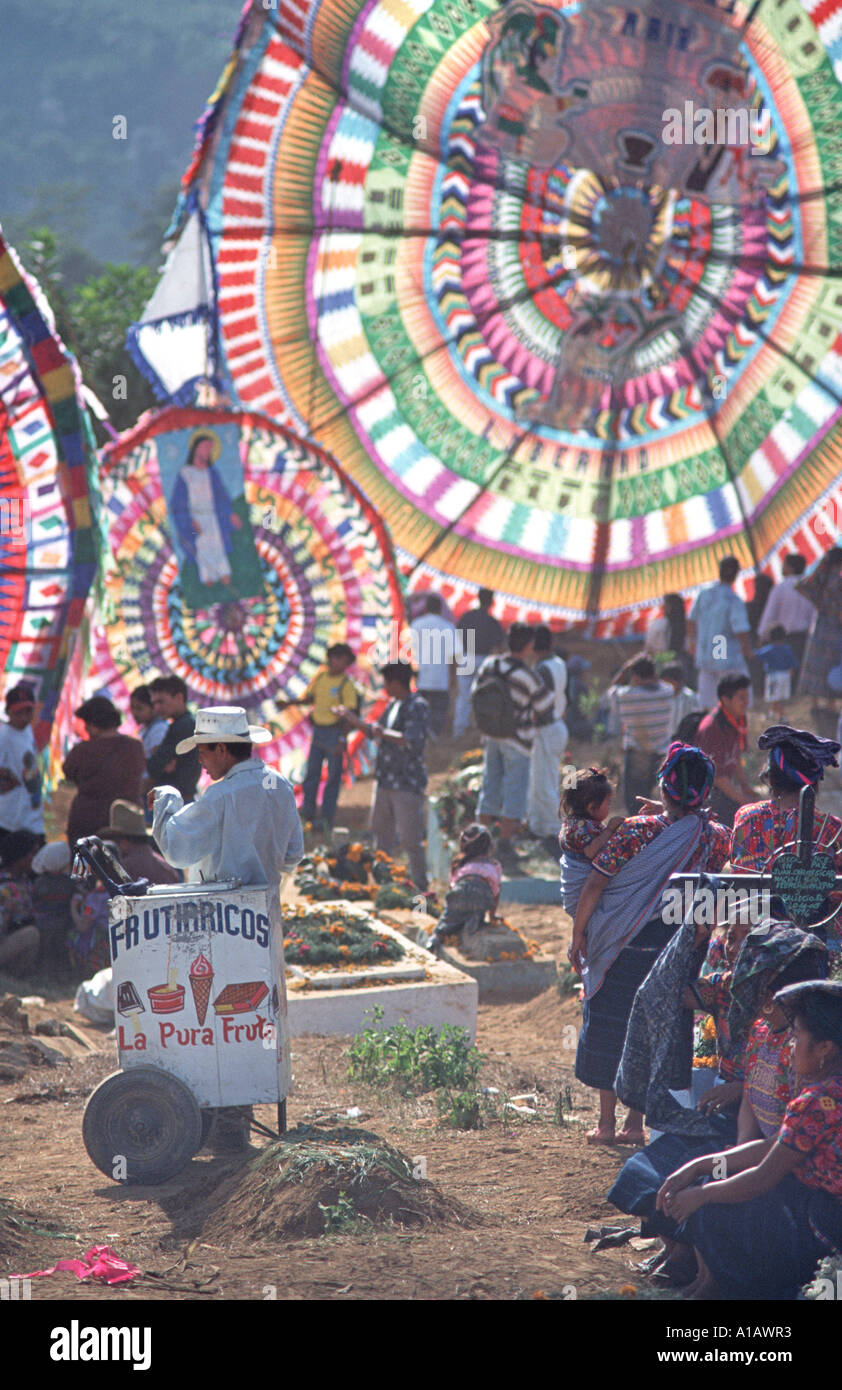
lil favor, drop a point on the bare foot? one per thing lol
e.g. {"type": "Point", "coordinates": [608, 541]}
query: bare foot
{"type": "Point", "coordinates": [701, 1289]}
{"type": "Point", "coordinates": [655, 1262]}
{"type": "Point", "coordinates": [630, 1136]}
{"type": "Point", "coordinates": [600, 1136]}
{"type": "Point", "coordinates": [680, 1269]}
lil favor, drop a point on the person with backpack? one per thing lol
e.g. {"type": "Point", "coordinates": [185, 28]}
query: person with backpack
{"type": "Point", "coordinates": [479, 635]}
{"type": "Point", "coordinates": [542, 807]}
{"type": "Point", "coordinates": [509, 701]}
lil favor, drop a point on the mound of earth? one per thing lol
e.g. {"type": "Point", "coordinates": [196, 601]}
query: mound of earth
{"type": "Point", "coordinates": [312, 1182]}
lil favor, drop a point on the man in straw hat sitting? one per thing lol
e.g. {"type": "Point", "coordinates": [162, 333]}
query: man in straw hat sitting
{"type": "Point", "coordinates": [127, 829]}
{"type": "Point", "coordinates": [245, 825]}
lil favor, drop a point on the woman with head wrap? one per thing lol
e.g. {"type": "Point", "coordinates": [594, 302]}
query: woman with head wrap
{"type": "Point", "coordinates": [758, 1043]}
{"type": "Point", "coordinates": [617, 937]}
{"type": "Point", "coordinates": [770, 1211]}
{"type": "Point", "coordinates": [797, 759]}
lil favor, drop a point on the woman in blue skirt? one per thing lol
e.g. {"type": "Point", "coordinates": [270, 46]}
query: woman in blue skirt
{"type": "Point", "coordinates": [618, 931]}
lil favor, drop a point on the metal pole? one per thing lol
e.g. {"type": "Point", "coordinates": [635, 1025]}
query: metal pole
{"type": "Point", "coordinates": [806, 818]}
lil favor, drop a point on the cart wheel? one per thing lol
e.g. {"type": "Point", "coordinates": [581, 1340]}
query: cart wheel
{"type": "Point", "coordinates": [141, 1126]}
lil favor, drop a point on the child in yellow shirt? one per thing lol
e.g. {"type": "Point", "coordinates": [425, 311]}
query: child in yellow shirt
{"type": "Point", "coordinates": [329, 687]}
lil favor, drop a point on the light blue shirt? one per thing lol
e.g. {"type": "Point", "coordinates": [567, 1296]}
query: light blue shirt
{"type": "Point", "coordinates": [719, 616]}
{"type": "Point", "coordinates": [153, 734]}
{"type": "Point", "coordinates": [244, 826]}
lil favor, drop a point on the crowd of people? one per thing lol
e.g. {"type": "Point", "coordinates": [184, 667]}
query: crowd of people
{"type": "Point", "coordinates": [765, 1139]}
{"type": "Point", "coordinates": [47, 921]}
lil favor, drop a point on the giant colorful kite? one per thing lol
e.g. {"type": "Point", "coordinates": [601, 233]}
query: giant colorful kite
{"type": "Point", "coordinates": [47, 530]}
{"type": "Point", "coordinates": [558, 284]}
{"type": "Point", "coordinates": [233, 555]}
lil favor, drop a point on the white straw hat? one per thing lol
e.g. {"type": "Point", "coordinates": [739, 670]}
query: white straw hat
{"type": "Point", "coordinates": [223, 724]}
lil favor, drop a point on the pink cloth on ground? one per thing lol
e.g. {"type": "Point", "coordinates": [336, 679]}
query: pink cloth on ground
{"type": "Point", "coordinates": [98, 1263]}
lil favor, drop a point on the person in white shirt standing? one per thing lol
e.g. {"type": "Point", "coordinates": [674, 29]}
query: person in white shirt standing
{"type": "Point", "coordinates": [718, 632]}
{"type": "Point", "coordinates": [20, 772]}
{"type": "Point", "coordinates": [245, 825]}
{"type": "Point", "coordinates": [548, 745]}
{"type": "Point", "coordinates": [434, 652]}
{"type": "Point", "coordinates": [788, 609]}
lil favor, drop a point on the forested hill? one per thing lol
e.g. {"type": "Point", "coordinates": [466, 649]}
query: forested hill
{"type": "Point", "coordinates": [69, 68]}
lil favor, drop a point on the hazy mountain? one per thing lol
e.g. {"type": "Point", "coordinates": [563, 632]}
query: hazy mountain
{"type": "Point", "coordinates": [67, 71]}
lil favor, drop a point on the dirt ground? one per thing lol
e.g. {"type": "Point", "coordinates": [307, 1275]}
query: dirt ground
{"type": "Point", "coordinates": [532, 1185]}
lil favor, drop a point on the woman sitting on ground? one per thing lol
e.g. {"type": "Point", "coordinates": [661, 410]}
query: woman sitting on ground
{"type": "Point", "coordinates": [774, 1208]}
{"type": "Point", "coordinates": [616, 941]}
{"type": "Point", "coordinates": [772, 956]}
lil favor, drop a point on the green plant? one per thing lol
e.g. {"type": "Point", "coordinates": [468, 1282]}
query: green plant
{"type": "Point", "coordinates": [568, 981]}
{"type": "Point", "coordinates": [563, 1107]}
{"type": "Point", "coordinates": [392, 896]}
{"type": "Point", "coordinates": [411, 1060]}
{"type": "Point", "coordinates": [340, 1215]}
{"type": "Point", "coordinates": [460, 1110]}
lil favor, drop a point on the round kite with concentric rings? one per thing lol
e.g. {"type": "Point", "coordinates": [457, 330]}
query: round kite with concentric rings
{"type": "Point", "coordinates": [236, 568]}
{"type": "Point", "coordinates": [558, 284]}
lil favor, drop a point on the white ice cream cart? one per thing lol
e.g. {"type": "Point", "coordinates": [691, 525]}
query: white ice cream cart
{"type": "Point", "coordinates": [201, 1014]}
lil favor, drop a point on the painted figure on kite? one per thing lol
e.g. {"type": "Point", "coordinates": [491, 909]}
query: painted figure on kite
{"type": "Point", "coordinates": [520, 76]}
{"type": "Point", "coordinates": [202, 510]}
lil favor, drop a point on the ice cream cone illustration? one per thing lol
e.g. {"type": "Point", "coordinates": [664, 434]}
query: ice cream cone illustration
{"type": "Point", "coordinates": [201, 980]}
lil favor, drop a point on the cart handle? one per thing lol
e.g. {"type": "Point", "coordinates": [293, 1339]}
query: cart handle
{"type": "Point", "coordinates": [91, 855]}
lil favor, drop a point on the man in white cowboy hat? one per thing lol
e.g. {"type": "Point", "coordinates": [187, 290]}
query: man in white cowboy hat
{"type": "Point", "coordinates": [245, 825]}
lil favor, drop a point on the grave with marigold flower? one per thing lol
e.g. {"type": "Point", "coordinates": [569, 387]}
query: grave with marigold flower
{"type": "Point", "coordinates": [341, 961]}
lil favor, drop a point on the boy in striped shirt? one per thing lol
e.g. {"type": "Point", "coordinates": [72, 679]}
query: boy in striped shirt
{"type": "Point", "coordinates": [645, 708]}
{"type": "Point", "coordinates": [505, 768]}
